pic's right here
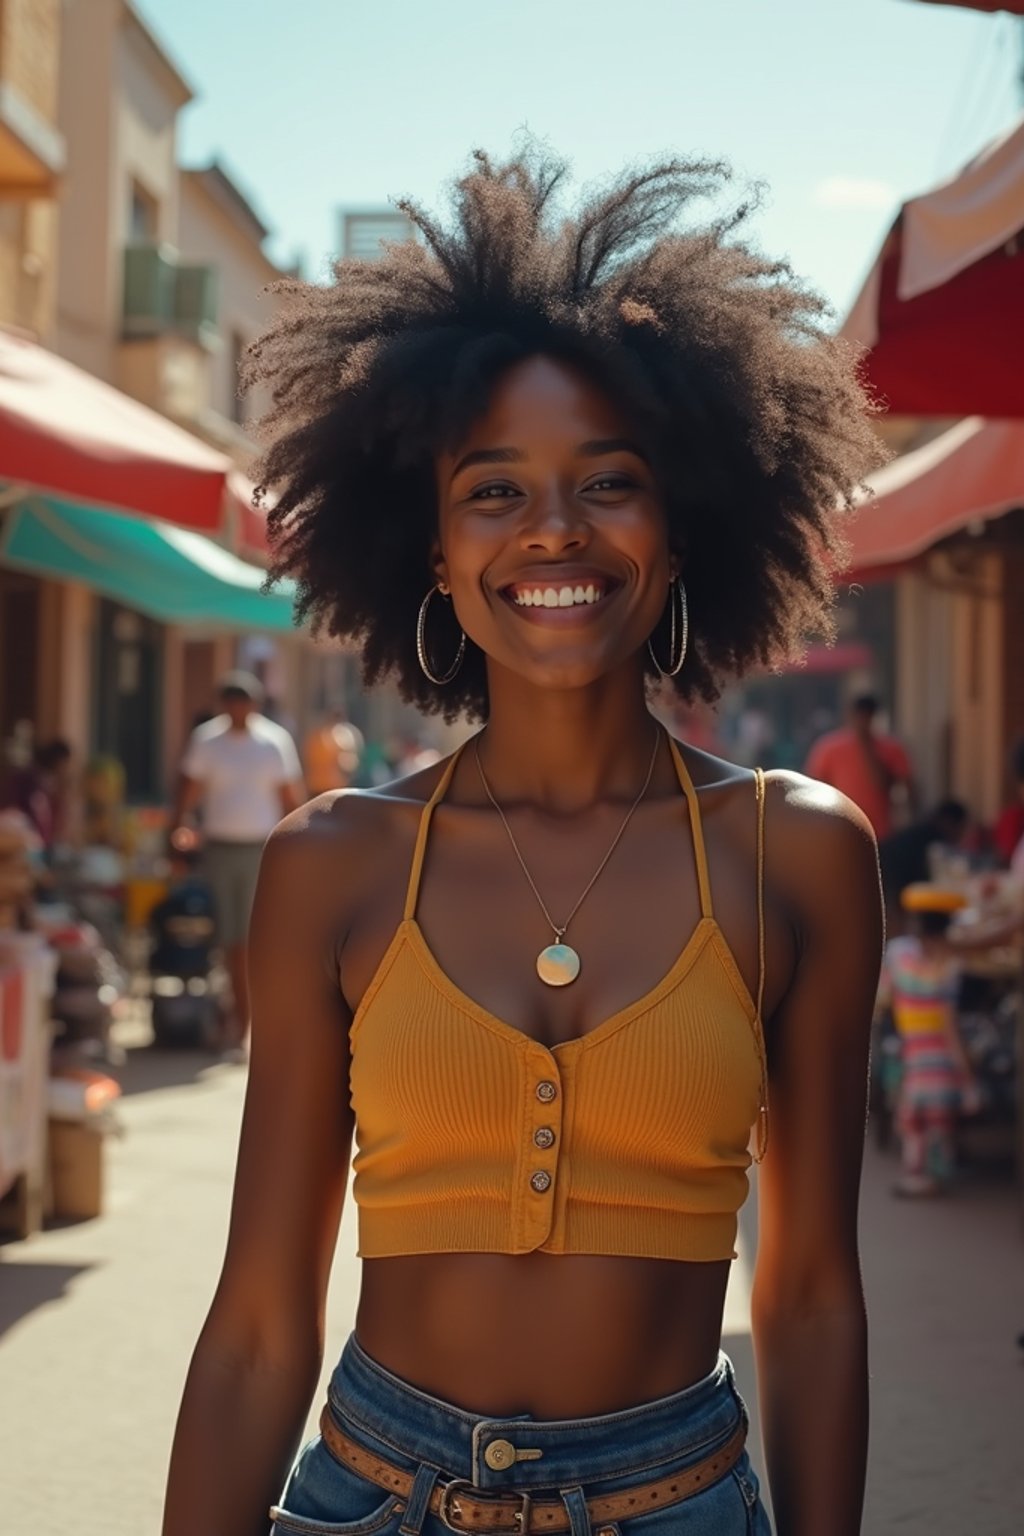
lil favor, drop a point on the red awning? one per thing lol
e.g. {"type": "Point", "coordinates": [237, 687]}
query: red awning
{"type": "Point", "coordinates": [970, 474]}
{"type": "Point", "coordinates": [250, 537]}
{"type": "Point", "coordinates": [946, 295]}
{"type": "Point", "coordinates": [1016, 7]}
{"type": "Point", "coordinates": [63, 431]}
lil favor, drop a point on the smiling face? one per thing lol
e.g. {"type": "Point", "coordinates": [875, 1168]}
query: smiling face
{"type": "Point", "coordinates": [552, 530]}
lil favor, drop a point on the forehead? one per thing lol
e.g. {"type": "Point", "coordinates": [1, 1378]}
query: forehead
{"type": "Point", "coordinates": [542, 400]}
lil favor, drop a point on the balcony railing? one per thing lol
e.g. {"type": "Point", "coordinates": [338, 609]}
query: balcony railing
{"type": "Point", "coordinates": [162, 295]}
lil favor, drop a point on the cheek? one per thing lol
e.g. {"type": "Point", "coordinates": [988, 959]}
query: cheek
{"type": "Point", "coordinates": [470, 545]}
{"type": "Point", "coordinates": [641, 536]}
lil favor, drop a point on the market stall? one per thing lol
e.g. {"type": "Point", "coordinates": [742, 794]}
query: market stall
{"type": "Point", "coordinates": [26, 983]}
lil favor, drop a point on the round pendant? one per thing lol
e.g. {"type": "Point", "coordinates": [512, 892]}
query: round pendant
{"type": "Point", "coordinates": [558, 965]}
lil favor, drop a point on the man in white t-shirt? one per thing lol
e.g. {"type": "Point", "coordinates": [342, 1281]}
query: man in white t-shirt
{"type": "Point", "coordinates": [244, 771]}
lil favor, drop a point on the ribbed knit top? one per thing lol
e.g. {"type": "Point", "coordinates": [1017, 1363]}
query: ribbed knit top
{"type": "Point", "coordinates": [631, 1140]}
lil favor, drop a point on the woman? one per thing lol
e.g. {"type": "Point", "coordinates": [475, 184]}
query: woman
{"type": "Point", "coordinates": [533, 463]}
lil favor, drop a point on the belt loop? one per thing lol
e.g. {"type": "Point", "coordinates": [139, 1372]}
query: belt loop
{"type": "Point", "coordinates": [419, 1500]}
{"type": "Point", "coordinates": [576, 1508]}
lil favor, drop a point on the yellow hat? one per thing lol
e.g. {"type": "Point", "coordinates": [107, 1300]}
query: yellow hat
{"type": "Point", "coordinates": [925, 897]}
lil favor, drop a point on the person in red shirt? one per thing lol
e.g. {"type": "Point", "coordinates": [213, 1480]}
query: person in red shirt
{"type": "Point", "coordinates": [40, 791]}
{"type": "Point", "coordinates": [1009, 829]}
{"type": "Point", "coordinates": [862, 763]}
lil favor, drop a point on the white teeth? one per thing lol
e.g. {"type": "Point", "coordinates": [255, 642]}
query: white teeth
{"type": "Point", "coordinates": [557, 597]}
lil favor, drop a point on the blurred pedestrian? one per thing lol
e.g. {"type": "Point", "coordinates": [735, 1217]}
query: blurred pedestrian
{"type": "Point", "coordinates": [332, 752]}
{"type": "Point", "coordinates": [1008, 834]}
{"type": "Point", "coordinates": [244, 771]}
{"type": "Point", "coordinates": [904, 856]}
{"type": "Point", "coordinates": [864, 764]}
{"type": "Point", "coordinates": [920, 981]}
{"type": "Point", "coordinates": [41, 790]}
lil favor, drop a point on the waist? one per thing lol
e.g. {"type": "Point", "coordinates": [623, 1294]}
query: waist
{"type": "Point", "coordinates": [649, 1327]}
{"type": "Point", "coordinates": [927, 1021]}
{"type": "Point", "coordinates": [382, 1410]}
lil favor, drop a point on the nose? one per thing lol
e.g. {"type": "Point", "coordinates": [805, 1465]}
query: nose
{"type": "Point", "coordinates": [555, 524]}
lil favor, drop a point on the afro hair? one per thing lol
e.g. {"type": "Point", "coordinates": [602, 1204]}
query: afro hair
{"type": "Point", "coordinates": [756, 424]}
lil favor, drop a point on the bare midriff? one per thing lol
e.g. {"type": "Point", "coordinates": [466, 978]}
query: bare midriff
{"type": "Point", "coordinates": [553, 1335]}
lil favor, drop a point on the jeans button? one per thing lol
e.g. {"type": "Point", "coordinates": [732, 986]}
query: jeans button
{"type": "Point", "coordinates": [540, 1181]}
{"type": "Point", "coordinates": [546, 1092]}
{"type": "Point", "coordinates": [499, 1454]}
{"type": "Point", "coordinates": [544, 1136]}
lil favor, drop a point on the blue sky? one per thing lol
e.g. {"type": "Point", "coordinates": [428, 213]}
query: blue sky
{"type": "Point", "coordinates": [844, 107]}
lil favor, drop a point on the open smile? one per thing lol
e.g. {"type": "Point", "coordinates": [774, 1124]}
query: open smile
{"type": "Point", "coordinates": [562, 599]}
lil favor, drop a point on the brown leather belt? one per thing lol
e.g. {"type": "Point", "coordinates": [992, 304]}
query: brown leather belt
{"type": "Point", "coordinates": [462, 1507]}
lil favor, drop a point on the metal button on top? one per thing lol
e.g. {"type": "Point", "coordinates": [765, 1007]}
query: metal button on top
{"type": "Point", "coordinates": [546, 1092]}
{"type": "Point", "coordinates": [540, 1181]}
{"type": "Point", "coordinates": [500, 1453]}
{"type": "Point", "coordinates": [544, 1136]}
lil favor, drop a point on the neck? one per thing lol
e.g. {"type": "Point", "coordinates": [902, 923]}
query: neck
{"type": "Point", "coordinates": [565, 750]}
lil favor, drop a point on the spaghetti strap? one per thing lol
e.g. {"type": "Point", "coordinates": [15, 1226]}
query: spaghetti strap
{"type": "Point", "coordinates": [696, 830]}
{"type": "Point", "coordinates": [762, 1113]}
{"type": "Point", "coordinates": [416, 871]}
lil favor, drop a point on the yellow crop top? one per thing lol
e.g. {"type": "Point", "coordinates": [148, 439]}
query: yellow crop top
{"type": "Point", "coordinates": [633, 1139]}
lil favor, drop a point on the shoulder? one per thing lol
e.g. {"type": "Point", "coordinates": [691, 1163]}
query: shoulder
{"type": "Point", "coordinates": [265, 729]}
{"type": "Point", "coordinates": [829, 742]}
{"type": "Point", "coordinates": [893, 749]}
{"type": "Point", "coordinates": [342, 837]}
{"type": "Point", "coordinates": [209, 731]}
{"type": "Point", "coordinates": [819, 845]}
{"type": "Point", "coordinates": [814, 813]}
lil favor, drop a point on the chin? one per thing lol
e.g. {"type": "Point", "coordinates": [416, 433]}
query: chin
{"type": "Point", "coordinates": [563, 677]}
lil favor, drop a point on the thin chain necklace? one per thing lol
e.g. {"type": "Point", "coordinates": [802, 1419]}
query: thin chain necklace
{"type": "Point", "coordinates": [558, 963]}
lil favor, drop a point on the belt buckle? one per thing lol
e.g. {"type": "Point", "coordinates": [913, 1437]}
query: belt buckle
{"type": "Point", "coordinates": [450, 1491]}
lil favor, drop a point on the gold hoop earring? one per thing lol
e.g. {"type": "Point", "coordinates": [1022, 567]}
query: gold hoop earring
{"type": "Point", "coordinates": [676, 598]}
{"type": "Point", "coordinates": [421, 642]}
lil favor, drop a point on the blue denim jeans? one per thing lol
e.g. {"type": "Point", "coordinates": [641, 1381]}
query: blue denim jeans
{"type": "Point", "coordinates": [579, 1458]}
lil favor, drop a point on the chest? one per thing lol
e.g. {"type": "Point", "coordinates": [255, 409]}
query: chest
{"type": "Point", "coordinates": [242, 763]}
{"type": "Point", "coordinates": [478, 927]}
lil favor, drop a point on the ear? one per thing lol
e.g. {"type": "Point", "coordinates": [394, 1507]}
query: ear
{"type": "Point", "coordinates": [438, 564]}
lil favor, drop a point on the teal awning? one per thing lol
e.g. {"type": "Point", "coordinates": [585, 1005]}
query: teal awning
{"type": "Point", "coordinates": [172, 574]}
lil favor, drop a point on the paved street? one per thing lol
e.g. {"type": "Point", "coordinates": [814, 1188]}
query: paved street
{"type": "Point", "coordinates": [97, 1321]}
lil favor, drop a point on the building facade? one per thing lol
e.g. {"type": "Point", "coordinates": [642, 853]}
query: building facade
{"type": "Point", "coordinates": [32, 159]}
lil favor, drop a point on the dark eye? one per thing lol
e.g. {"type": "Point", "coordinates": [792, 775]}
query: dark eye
{"type": "Point", "coordinates": [610, 482]}
{"type": "Point", "coordinates": [497, 491]}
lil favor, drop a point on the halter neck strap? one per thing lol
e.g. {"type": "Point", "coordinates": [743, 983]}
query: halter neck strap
{"type": "Point", "coordinates": [696, 829]}
{"type": "Point", "coordinates": [416, 872]}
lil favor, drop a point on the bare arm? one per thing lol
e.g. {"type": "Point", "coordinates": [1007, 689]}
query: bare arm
{"type": "Point", "coordinates": [256, 1364]}
{"type": "Point", "coordinates": [190, 792]}
{"type": "Point", "coordinates": [293, 794]}
{"type": "Point", "coordinates": [810, 1330]}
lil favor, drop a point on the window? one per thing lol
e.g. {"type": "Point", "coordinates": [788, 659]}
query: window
{"type": "Point", "coordinates": [143, 216]}
{"type": "Point", "coordinates": [238, 346]}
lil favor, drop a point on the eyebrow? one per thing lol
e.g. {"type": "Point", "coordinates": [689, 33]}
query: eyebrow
{"type": "Point", "coordinates": [603, 445]}
{"type": "Point", "coordinates": [489, 456]}
{"type": "Point", "coordinates": [591, 450]}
